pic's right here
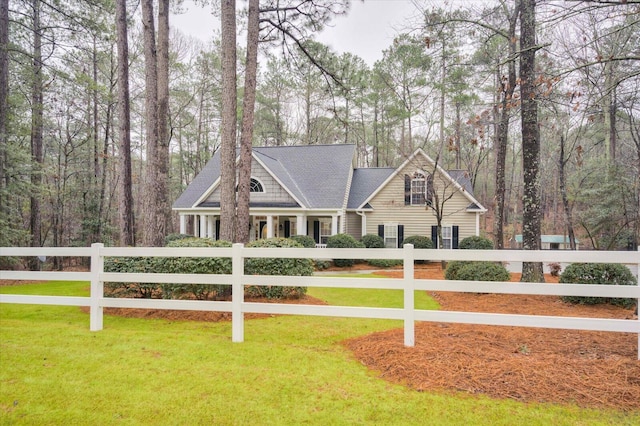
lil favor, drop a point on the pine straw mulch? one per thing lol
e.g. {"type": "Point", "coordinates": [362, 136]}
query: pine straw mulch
{"type": "Point", "coordinates": [587, 368]}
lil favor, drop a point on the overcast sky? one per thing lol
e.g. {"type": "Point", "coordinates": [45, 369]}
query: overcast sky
{"type": "Point", "coordinates": [366, 31]}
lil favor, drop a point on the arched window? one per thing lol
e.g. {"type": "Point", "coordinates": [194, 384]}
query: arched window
{"type": "Point", "coordinates": [418, 189]}
{"type": "Point", "coordinates": [255, 186]}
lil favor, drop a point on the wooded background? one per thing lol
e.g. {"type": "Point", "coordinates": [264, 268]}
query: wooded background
{"type": "Point", "coordinates": [107, 113]}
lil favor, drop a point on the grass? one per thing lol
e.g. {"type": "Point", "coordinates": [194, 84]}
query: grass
{"type": "Point", "coordinates": [290, 370]}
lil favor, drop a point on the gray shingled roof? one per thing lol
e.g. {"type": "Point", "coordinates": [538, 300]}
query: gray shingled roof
{"type": "Point", "coordinates": [462, 178]}
{"type": "Point", "coordinates": [317, 175]}
{"type": "Point", "coordinates": [364, 182]}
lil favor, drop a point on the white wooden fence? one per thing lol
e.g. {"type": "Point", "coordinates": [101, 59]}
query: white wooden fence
{"type": "Point", "coordinates": [237, 279]}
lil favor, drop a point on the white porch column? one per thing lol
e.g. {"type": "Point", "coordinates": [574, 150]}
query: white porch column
{"type": "Point", "coordinates": [203, 226]}
{"type": "Point", "coordinates": [334, 224]}
{"type": "Point", "coordinates": [269, 226]}
{"type": "Point", "coordinates": [183, 224]}
{"type": "Point", "coordinates": [301, 224]}
{"type": "Point", "coordinates": [210, 227]}
{"type": "Point", "coordinates": [195, 226]}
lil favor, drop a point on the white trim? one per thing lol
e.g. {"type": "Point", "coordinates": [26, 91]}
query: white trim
{"type": "Point", "coordinates": [282, 185]}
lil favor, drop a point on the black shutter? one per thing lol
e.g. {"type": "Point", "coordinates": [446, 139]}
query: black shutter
{"type": "Point", "coordinates": [434, 236]}
{"type": "Point", "coordinates": [400, 235]}
{"type": "Point", "coordinates": [455, 233]}
{"type": "Point", "coordinates": [316, 231]}
{"type": "Point", "coordinates": [287, 229]}
{"type": "Point", "coordinates": [381, 231]}
{"type": "Point", "coordinates": [217, 229]}
{"type": "Point", "coordinates": [429, 190]}
{"type": "Point", "coordinates": [407, 190]}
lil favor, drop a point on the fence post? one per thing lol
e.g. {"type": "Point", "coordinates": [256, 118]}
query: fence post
{"type": "Point", "coordinates": [409, 296]}
{"type": "Point", "coordinates": [97, 288]}
{"type": "Point", "coordinates": [237, 294]}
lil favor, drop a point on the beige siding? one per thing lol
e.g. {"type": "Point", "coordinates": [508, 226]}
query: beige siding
{"type": "Point", "coordinates": [273, 191]}
{"type": "Point", "coordinates": [353, 223]}
{"type": "Point", "coordinates": [389, 207]}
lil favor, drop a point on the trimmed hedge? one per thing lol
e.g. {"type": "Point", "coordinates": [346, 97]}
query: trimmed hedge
{"type": "Point", "coordinates": [419, 241]}
{"type": "Point", "coordinates": [476, 271]}
{"type": "Point", "coordinates": [476, 243]}
{"type": "Point", "coordinates": [598, 273]}
{"type": "Point", "coordinates": [304, 240]}
{"type": "Point", "coordinates": [343, 241]}
{"type": "Point", "coordinates": [372, 241]}
{"type": "Point", "coordinates": [276, 266]}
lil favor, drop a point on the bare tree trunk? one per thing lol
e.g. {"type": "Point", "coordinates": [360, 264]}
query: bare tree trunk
{"type": "Point", "coordinates": [125, 217]}
{"type": "Point", "coordinates": [161, 187]}
{"type": "Point", "coordinates": [565, 200]}
{"type": "Point", "coordinates": [531, 212]}
{"type": "Point", "coordinates": [248, 107]}
{"type": "Point", "coordinates": [150, 211]}
{"type": "Point", "coordinates": [4, 93]}
{"type": "Point", "coordinates": [37, 156]}
{"type": "Point", "coordinates": [502, 136]}
{"type": "Point", "coordinates": [228, 121]}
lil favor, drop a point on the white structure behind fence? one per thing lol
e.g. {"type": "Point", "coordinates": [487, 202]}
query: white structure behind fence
{"type": "Point", "coordinates": [408, 284]}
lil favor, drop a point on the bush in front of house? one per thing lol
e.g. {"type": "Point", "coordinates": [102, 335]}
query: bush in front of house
{"type": "Point", "coordinates": [372, 241]}
{"type": "Point", "coordinates": [132, 265]}
{"type": "Point", "coordinates": [419, 242]}
{"type": "Point", "coordinates": [343, 241]}
{"type": "Point", "coordinates": [304, 240]}
{"type": "Point", "coordinates": [598, 273]}
{"type": "Point", "coordinates": [384, 263]}
{"type": "Point", "coordinates": [177, 265]}
{"type": "Point", "coordinates": [476, 243]}
{"type": "Point", "coordinates": [195, 265]}
{"type": "Point", "coordinates": [172, 237]}
{"type": "Point", "coordinates": [276, 266]}
{"type": "Point", "coordinates": [477, 271]}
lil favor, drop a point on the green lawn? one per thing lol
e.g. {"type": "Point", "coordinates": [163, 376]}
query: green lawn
{"type": "Point", "coordinates": [290, 370]}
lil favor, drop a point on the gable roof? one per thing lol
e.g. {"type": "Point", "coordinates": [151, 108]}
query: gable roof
{"type": "Point", "coordinates": [365, 181]}
{"type": "Point", "coordinates": [317, 176]}
{"type": "Point", "coordinates": [459, 178]}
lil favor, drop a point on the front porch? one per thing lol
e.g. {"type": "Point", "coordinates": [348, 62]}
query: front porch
{"type": "Point", "coordinates": [268, 225]}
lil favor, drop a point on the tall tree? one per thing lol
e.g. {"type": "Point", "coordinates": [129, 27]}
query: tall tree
{"type": "Point", "coordinates": [37, 151]}
{"type": "Point", "coordinates": [228, 121]}
{"type": "Point", "coordinates": [4, 93]}
{"type": "Point", "coordinates": [126, 220]}
{"type": "Point", "coordinates": [156, 59]}
{"type": "Point", "coordinates": [248, 107]}
{"type": "Point", "coordinates": [531, 211]}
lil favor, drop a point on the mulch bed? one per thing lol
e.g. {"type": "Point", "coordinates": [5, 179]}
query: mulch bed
{"type": "Point", "coordinates": [587, 368]}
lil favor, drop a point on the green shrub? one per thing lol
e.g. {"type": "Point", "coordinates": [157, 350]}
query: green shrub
{"type": "Point", "coordinates": [132, 265]}
{"type": "Point", "coordinates": [276, 266]}
{"type": "Point", "coordinates": [419, 241]}
{"type": "Point", "coordinates": [195, 265]}
{"type": "Point", "coordinates": [343, 241]}
{"type": "Point", "coordinates": [304, 240]}
{"type": "Point", "coordinates": [384, 263]}
{"type": "Point", "coordinates": [451, 273]}
{"type": "Point", "coordinates": [476, 271]}
{"type": "Point", "coordinates": [319, 264]}
{"type": "Point", "coordinates": [476, 243]}
{"type": "Point", "coordinates": [176, 265]}
{"type": "Point", "coordinates": [598, 273]}
{"type": "Point", "coordinates": [372, 241]}
{"type": "Point", "coordinates": [172, 237]}
{"type": "Point", "coordinates": [482, 271]}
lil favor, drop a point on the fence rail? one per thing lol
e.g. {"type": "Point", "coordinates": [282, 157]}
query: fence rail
{"type": "Point", "coordinates": [408, 284]}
